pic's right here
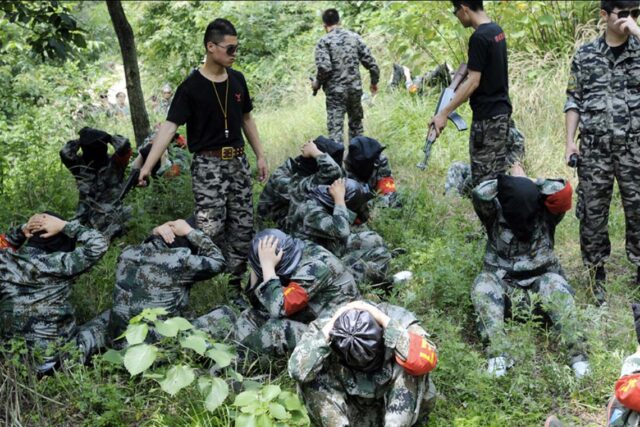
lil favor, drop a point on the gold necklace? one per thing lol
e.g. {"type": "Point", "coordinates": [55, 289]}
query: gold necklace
{"type": "Point", "coordinates": [224, 109]}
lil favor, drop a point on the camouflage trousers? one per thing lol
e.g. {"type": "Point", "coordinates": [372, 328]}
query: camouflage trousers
{"type": "Point", "coordinates": [488, 142]}
{"type": "Point", "coordinates": [406, 400]}
{"type": "Point", "coordinates": [550, 294]}
{"type": "Point", "coordinates": [601, 161]}
{"type": "Point", "coordinates": [265, 335]}
{"type": "Point", "coordinates": [458, 181]}
{"type": "Point", "coordinates": [95, 334]}
{"type": "Point", "coordinates": [339, 103]}
{"type": "Point", "coordinates": [224, 206]}
{"type": "Point", "coordinates": [109, 219]}
{"type": "Point", "coordinates": [367, 257]}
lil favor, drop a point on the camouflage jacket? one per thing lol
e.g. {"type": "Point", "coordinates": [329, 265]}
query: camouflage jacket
{"type": "Point", "coordinates": [313, 355]}
{"type": "Point", "coordinates": [505, 254]}
{"type": "Point", "coordinates": [312, 221]}
{"type": "Point", "coordinates": [98, 191]}
{"type": "Point", "coordinates": [381, 180]}
{"type": "Point", "coordinates": [153, 275]}
{"type": "Point", "coordinates": [274, 200]}
{"type": "Point", "coordinates": [627, 388]}
{"type": "Point", "coordinates": [319, 284]}
{"type": "Point", "coordinates": [338, 55]}
{"type": "Point", "coordinates": [606, 91]}
{"type": "Point", "coordinates": [35, 286]}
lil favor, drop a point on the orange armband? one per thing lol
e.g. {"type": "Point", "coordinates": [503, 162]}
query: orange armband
{"type": "Point", "coordinates": [386, 185]}
{"type": "Point", "coordinates": [4, 243]}
{"type": "Point", "coordinates": [559, 202]}
{"type": "Point", "coordinates": [628, 391]}
{"type": "Point", "coordinates": [422, 357]}
{"type": "Point", "coordinates": [295, 298]}
{"type": "Point", "coordinates": [173, 171]}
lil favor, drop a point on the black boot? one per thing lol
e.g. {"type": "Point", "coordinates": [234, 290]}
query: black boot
{"type": "Point", "coordinates": [599, 291]}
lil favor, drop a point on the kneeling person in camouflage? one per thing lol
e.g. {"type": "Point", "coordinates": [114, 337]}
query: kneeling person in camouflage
{"type": "Point", "coordinates": [292, 283]}
{"type": "Point", "coordinates": [319, 163]}
{"type": "Point", "coordinates": [327, 218]}
{"type": "Point", "coordinates": [38, 264]}
{"type": "Point", "coordinates": [367, 365]}
{"type": "Point", "coordinates": [520, 217]}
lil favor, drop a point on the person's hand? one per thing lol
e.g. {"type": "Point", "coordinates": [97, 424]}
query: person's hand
{"type": "Point", "coordinates": [46, 224]}
{"type": "Point", "coordinates": [143, 178]}
{"type": "Point", "coordinates": [374, 89]}
{"type": "Point", "coordinates": [180, 227]}
{"type": "Point", "coordinates": [337, 190]}
{"type": "Point", "coordinates": [570, 148]}
{"type": "Point", "coordinates": [628, 26]}
{"type": "Point", "coordinates": [263, 170]}
{"type": "Point", "coordinates": [378, 315]}
{"type": "Point", "coordinates": [310, 149]}
{"type": "Point", "coordinates": [517, 170]}
{"type": "Point", "coordinates": [166, 232]}
{"type": "Point", "coordinates": [269, 256]}
{"type": "Point", "coordinates": [439, 121]}
{"type": "Point", "coordinates": [326, 329]}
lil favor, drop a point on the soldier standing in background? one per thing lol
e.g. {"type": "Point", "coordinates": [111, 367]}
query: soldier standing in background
{"type": "Point", "coordinates": [338, 55]}
{"type": "Point", "coordinates": [603, 100]}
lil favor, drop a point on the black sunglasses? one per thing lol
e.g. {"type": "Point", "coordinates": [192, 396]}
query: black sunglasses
{"type": "Point", "coordinates": [230, 48]}
{"type": "Point", "coordinates": [635, 13]}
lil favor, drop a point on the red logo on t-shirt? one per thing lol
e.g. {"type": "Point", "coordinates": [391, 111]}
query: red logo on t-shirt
{"type": "Point", "coordinates": [238, 97]}
{"type": "Point", "coordinates": [499, 37]}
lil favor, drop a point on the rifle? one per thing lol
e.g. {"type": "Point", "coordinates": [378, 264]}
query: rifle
{"type": "Point", "coordinates": [132, 181]}
{"type": "Point", "coordinates": [445, 97]}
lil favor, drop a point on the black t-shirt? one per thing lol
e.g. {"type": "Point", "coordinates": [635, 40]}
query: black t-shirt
{"type": "Point", "coordinates": [617, 50]}
{"type": "Point", "coordinates": [195, 104]}
{"type": "Point", "coordinates": [488, 55]}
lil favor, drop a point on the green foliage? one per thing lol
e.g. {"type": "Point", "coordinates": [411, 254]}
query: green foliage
{"type": "Point", "coordinates": [269, 406]}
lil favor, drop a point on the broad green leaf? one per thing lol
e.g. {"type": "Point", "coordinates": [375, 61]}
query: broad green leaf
{"type": "Point", "coordinates": [217, 395]}
{"type": "Point", "coordinates": [139, 357]}
{"type": "Point", "coordinates": [245, 398]}
{"type": "Point", "coordinates": [203, 385]}
{"type": "Point", "coordinates": [290, 400]}
{"type": "Point", "coordinates": [178, 377]}
{"type": "Point", "coordinates": [180, 322]}
{"type": "Point", "coordinates": [195, 343]}
{"type": "Point", "coordinates": [264, 421]}
{"type": "Point", "coordinates": [136, 334]}
{"type": "Point", "coordinates": [113, 356]}
{"type": "Point", "coordinates": [150, 314]}
{"type": "Point", "coordinates": [270, 392]}
{"type": "Point", "coordinates": [246, 420]}
{"type": "Point", "coordinates": [278, 412]}
{"type": "Point", "coordinates": [220, 354]}
{"type": "Point", "coordinates": [166, 329]}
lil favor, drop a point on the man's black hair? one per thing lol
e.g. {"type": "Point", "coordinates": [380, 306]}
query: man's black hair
{"type": "Point", "coordinates": [609, 5]}
{"type": "Point", "coordinates": [330, 17]}
{"type": "Point", "coordinates": [474, 5]}
{"type": "Point", "coordinates": [217, 29]}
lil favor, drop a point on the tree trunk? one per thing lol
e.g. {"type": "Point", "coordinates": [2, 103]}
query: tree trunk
{"type": "Point", "coordinates": [139, 117]}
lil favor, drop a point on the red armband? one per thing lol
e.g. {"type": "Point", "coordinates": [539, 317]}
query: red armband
{"type": "Point", "coordinates": [4, 243]}
{"type": "Point", "coordinates": [628, 391]}
{"type": "Point", "coordinates": [181, 141]}
{"type": "Point", "coordinates": [173, 171]}
{"type": "Point", "coordinates": [295, 298]}
{"type": "Point", "coordinates": [122, 160]}
{"type": "Point", "coordinates": [386, 185]}
{"type": "Point", "coordinates": [559, 202]}
{"type": "Point", "coordinates": [422, 357]}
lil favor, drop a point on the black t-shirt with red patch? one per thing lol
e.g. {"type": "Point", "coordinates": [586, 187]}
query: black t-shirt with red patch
{"type": "Point", "coordinates": [488, 55]}
{"type": "Point", "coordinates": [195, 103]}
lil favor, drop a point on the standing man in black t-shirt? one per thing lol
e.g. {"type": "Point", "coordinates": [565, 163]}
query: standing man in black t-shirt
{"type": "Point", "coordinates": [215, 104]}
{"type": "Point", "coordinates": [487, 88]}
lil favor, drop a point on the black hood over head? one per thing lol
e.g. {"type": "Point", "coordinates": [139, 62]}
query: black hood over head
{"type": "Point", "coordinates": [95, 148]}
{"type": "Point", "coordinates": [291, 257]}
{"type": "Point", "coordinates": [356, 196]}
{"type": "Point", "coordinates": [520, 200]}
{"type": "Point", "coordinates": [363, 155]}
{"type": "Point", "coordinates": [58, 243]}
{"type": "Point", "coordinates": [308, 166]}
{"type": "Point", "coordinates": [358, 341]}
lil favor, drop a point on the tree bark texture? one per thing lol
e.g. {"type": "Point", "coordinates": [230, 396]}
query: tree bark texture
{"type": "Point", "coordinates": [139, 117]}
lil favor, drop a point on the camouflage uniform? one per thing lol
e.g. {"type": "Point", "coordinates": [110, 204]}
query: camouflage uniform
{"type": "Point", "coordinates": [275, 325]}
{"type": "Point", "coordinates": [438, 77]}
{"type": "Point", "coordinates": [174, 161]}
{"type": "Point", "coordinates": [363, 253]}
{"type": "Point", "coordinates": [154, 275]}
{"type": "Point", "coordinates": [273, 203]}
{"type": "Point", "coordinates": [336, 395]}
{"type": "Point", "coordinates": [606, 93]}
{"type": "Point", "coordinates": [224, 206]}
{"type": "Point", "coordinates": [382, 181]}
{"type": "Point", "coordinates": [98, 190]}
{"type": "Point", "coordinates": [35, 286]}
{"type": "Point", "coordinates": [617, 414]}
{"type": "Point", "coordinates": [514, 271]}
{"type": "Point", "coordinates": [338, 55]}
